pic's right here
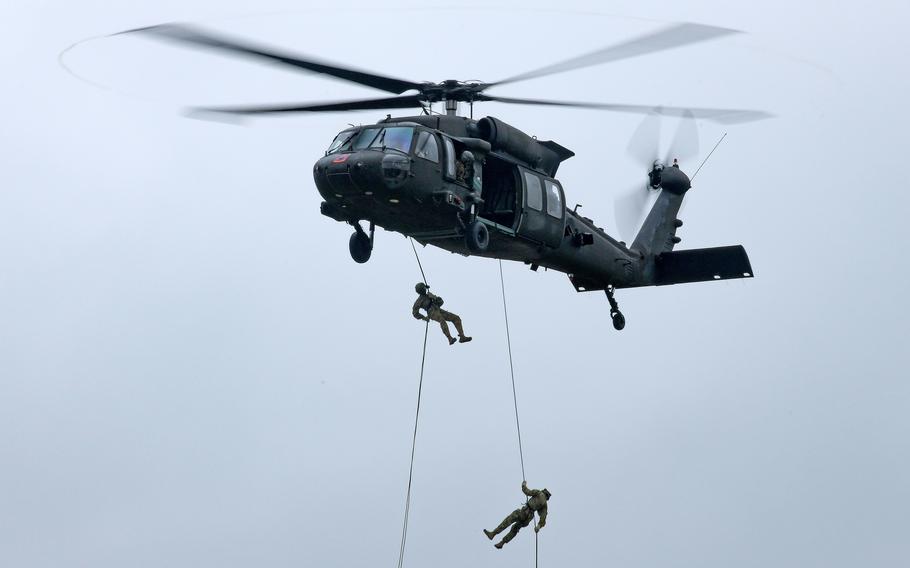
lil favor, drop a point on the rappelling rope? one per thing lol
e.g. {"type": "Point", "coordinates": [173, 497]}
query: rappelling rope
{"type": "Point", "coordinates": [505, 313]}
{"type": "Point", "coordinates": [420, 266]}
{"type": "Point", "coordinates": [423, 358]}
{"type": "Point", "coordinates": [407, 503]}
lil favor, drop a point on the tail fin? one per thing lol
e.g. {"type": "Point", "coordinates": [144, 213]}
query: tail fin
{"type": "Point", "coordinates": [657, 234]}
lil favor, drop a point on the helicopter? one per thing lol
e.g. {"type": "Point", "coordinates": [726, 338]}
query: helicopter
{"type": "Point", "coordinates": [483, 187]}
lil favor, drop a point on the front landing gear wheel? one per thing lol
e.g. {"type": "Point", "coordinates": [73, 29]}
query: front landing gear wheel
{"type": "Point", "coordinates": [477, 236]}
{"type": "Point", "coordinates": [360, 246]}
{"type": "Point", "coordinates": [619, 320]}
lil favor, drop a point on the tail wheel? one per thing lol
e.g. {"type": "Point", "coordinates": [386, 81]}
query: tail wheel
{"type": "Point", "coordinates": [360, 246]}
{"type": "Point", "coordinates": [477, 236]}
{"type": "Point", "coordinates": [619, 320]}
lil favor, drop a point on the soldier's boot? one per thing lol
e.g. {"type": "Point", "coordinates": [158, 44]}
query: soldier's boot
{"type": "Point", "coordinates": [445, 331]}
{"type": "Point", "coordinates": [462, 338]}
{"type": "Point", "coordinates": [489, 534]}
{"type": "Point", "coordinates": [499, 544]}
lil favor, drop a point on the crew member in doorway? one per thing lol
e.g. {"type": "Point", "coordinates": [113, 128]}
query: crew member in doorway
{"type": "Point", "coordinates": [464, 169]}
{"type": "Point", "coordinates": [522, 517]}
{"type": "Point", "coordinates": [432, 305]}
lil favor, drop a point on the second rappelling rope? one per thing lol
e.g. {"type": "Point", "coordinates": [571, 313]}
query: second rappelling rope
{"type": "Point", "coordinates": [505, 313]}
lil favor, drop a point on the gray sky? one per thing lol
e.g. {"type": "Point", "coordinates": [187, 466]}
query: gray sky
{"type": "Point", "coordinates": [193, 372]}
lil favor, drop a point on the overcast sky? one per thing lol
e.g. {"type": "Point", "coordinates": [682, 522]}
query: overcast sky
{"type": "Point", "coordinates": [193, 372]}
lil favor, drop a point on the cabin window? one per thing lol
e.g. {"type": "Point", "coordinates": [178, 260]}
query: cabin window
{"type": "Point", "coordinates": [450, 157]}
{"type": "Point", "coordinates": [535, 195]}
{"type": "Point", "coordinates": [554, 200]}
{"type": "Point", "coordinates": [427, 148]}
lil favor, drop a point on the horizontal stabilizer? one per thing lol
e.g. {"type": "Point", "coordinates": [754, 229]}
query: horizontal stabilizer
{"type": "Point", "coordinates": [702, 265]}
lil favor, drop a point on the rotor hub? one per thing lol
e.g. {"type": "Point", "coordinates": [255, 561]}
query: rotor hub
{"type": "Point", "coordinates": [451, 90]}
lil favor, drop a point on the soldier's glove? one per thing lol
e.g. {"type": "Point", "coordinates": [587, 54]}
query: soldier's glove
{"type": "Point", "coordinates": [419, 317]}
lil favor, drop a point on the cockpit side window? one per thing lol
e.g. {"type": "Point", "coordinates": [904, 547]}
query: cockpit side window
{"type": "Point", "coordinates": [427, 147]}
{"type": "Point", "coordinates": [450, 157]}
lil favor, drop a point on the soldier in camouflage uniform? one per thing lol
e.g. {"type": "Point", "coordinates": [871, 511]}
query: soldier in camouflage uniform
{"type": "Point", "coordinates": [431, 304]}
{"type": "Point", "coordinates": [522, 517]}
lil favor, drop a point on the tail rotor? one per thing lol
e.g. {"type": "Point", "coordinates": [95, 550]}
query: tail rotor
{"type": "Point", "coordinates": [644, 148]}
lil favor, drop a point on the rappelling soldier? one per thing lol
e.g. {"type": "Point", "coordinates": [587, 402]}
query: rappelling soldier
{"type": "Point", "coordinates": [432, 305]}
{"type": "Point", "coordinates": [522, 517]}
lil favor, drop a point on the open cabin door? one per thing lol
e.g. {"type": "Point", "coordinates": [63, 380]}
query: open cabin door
{"type": "Point", "coordinates": [501, 193]}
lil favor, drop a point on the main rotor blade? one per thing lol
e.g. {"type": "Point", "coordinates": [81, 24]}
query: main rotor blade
{"type": "Point", "coordinates": [406, 101]}
{"type": "Point", "coordinates": [195, 36]}
{"type": "Point", "coordinates": [667, 38]}
{"type": "Point", "coordinates": [725, 116]}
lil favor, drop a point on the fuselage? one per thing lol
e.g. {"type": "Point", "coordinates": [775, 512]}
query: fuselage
{"type": "Point", "coordinates": [427, 176]}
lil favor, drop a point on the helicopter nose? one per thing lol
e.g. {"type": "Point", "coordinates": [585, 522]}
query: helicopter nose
{"type": "Point", "coordinates": [395, 170]}
{"type": "Point", "coordinates": [675, 180]}
{"type": "Point", "coordinates": [348, 173]}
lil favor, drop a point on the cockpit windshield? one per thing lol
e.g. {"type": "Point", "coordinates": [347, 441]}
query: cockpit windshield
{"type": "Point", "coordinates": [390, 137]}
{"type": "Point", "coordinates": [341, 142]}
{"type": "Point", "coordinates": [395, 137]}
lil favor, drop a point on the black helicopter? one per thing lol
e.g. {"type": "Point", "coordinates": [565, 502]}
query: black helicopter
{"type": "Point", "coordinates": [483, 187]}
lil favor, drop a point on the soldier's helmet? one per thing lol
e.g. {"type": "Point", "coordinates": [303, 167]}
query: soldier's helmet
{"type": "Point", "coordinates": [421, 288]}
{"type": "Point", "coordinates": [547, 493]}
{"type": "Point", "coordinates": [467, 157]}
